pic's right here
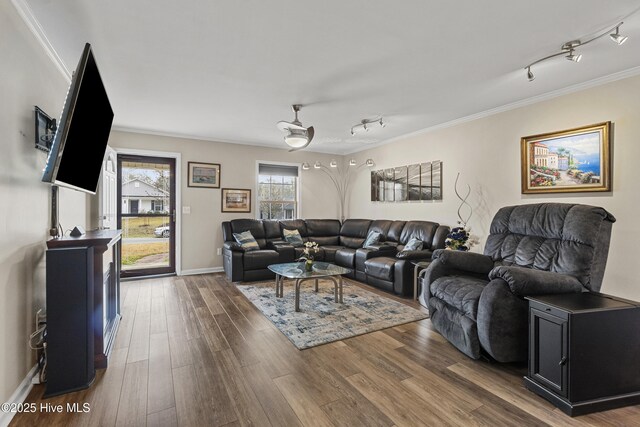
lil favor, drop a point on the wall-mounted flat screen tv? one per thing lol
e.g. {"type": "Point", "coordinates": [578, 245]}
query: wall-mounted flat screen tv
{"type": "Point", "coordinates": [80, 142]}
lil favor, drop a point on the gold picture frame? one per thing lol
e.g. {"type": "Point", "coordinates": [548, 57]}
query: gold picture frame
{"type": "Point", "coordinates": [570, 161]}
{"type": "Point", "coordinates": [236, 200]}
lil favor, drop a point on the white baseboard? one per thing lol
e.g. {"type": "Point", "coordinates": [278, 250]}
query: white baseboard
{"type": "Point", "coordinates": [18, 396]}
{"type": "Point", "coordinates": [201, 271]}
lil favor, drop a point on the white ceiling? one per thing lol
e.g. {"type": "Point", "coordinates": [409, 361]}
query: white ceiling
{"type": "Point", "coordinates": [229, 70]}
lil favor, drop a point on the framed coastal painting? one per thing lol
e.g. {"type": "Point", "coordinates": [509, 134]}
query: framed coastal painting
{"type": "Point", "coordinates": [204, 175]}
{"type": "Point", "coordinates": [236, 200]}
{"type": "Point", "coordinates": [570, 161]}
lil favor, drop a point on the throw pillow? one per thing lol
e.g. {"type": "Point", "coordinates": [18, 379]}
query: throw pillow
{"type": "Point", "coordinates": [293, 237]}
{"type": "Point", "coordinates": [246, 240]}
{"type": "Point", "coordinates": [372, 238]}
{"type": "Point", "coordinates": [413, 245]}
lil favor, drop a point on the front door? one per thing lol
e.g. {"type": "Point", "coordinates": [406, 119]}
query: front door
{"type": "Point", "coordinates": [146, 215]}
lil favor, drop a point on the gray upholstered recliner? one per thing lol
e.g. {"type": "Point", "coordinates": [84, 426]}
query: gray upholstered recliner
{"type": "Point", "coordinates": [477, 301]}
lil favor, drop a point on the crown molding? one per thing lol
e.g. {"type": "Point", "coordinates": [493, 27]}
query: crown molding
{"type": "Point", "coordinates": [621, 75]}
{"type": "Point", "coordinates": [210, 139]}
{"type": "Point", "coordinates": [25, 12]}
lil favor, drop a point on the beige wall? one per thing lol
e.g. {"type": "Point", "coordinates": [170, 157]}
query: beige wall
{"type": "Point", "coordinates": [201, 230]}
{"type": "Point", "coordinates": [486, 153]}
{"type": "Point", "coordinates": [27, 78]}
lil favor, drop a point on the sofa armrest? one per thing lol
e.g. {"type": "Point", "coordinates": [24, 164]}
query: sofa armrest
{"type": "Point", "coordinates": [464, 261]}
{"type": "Point", "coordinates": [233, 246]}
{"type": "Point", "coordinates": [380, 249]}
{"type": "Point", "coordinates": [424, 254]}
{"type": "Point", "coordinates": [274, 244]}
{"type": "Point", "coordinates": [526, 281]}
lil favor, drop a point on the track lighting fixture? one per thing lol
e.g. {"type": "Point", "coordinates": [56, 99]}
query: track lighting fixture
{"type": "Point", "coordinates": [366, 124]}
{"type": "Point", "coordinates": [617, 38]}
{"type": "Point", "coordinates": [568, 50]}
{"type": "Point", "coordinates": [530, 75]}
{"type": "Point", "coordinates": [573, 57]}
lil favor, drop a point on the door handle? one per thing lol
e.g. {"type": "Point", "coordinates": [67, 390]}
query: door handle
{"type": "Point", "coordinates": [563, 361]}
{"type": "Point", "coordinates": [173, 216]}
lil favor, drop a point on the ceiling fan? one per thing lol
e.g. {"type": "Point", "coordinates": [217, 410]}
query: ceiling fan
{"type": "Point", "coordinates": [297, 137]}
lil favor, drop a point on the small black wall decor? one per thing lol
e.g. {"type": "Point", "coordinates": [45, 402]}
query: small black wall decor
{"type": "Point", "coordinates": [45, 130]}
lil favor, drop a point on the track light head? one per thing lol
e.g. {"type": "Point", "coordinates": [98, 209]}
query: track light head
{"type": "Point", "coordinates": [530, 75]}
{"type": "Point", "coordinates": [617, 37]}
{"type": "Point", "coordinates": [573, 57]}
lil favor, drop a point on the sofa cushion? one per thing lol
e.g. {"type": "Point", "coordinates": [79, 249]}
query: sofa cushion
{"type": "Point", "coordinates": [246, 240]}
{"type": "Point", "coordinates": [325, 232]}
{"type": "Point", "coordinates": [413, 245]}
{"type": "Point", "coordinates": [294, 224]}
{"type": "Point", "coordinates": [461, 292]}
{"type": "Point", "coordinates": [421, 230]}
{"type": "Point", "coordinates": [353, 232]}
{"type": "Point", "coordinates": [346, 257]}
{"type": "Point", "coordinates": [372, 238]}
{"type": "Point", "coordinates": [255, 226]}
{"type": "Point", "coordinates": [257, 260]}
{"type": "Point", "coordinates": [293, 237]}
{"type": "Point", "coordinates": [395, 231]}
{"type": "Point", "coordinates": [380, 268]}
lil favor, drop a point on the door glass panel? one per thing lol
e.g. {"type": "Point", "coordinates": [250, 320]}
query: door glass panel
{"type": "Point", "coordinates": [145, 218]}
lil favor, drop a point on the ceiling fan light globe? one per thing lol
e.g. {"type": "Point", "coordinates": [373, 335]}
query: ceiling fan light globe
{"type": "Point", "coordinates": [295, 141]}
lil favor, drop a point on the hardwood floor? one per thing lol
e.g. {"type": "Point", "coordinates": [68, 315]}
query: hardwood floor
{"type": "Point", "coordinates": [192, 351]}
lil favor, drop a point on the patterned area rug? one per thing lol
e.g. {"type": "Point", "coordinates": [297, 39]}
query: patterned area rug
{"type": "Point", "coordinates": [322, 320]}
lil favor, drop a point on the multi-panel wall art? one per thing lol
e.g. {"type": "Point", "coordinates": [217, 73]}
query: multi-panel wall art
{"type": "Point", "coordinates": [417, 182]}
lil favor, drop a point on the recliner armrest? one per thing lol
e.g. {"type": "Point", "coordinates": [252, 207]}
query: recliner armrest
{"type": "Point", "coordinates": [526, 281]}
{"type": "Point", "coordinates": [274, 244]}
{"type": "Point", "coordinates": [233, 246]}
{"type": "Point", "coordinates": [381, 249]}
{"type": "Point", "coordinates": [424, 254]}
{"type": "Point", "coordinates": [464, 261]}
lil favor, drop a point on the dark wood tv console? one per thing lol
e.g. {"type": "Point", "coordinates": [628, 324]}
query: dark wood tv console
{"type": "Point", "coordinates": [106, 286]}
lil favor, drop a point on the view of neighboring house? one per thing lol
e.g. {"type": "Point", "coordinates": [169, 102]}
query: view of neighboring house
{"type": "Point", "coordinates": [139, 197]}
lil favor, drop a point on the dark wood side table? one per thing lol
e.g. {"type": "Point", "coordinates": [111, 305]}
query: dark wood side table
{"type": "Point", "coordinates": [584, 351]}
{"type": "Point", "coordinates": [106, 282]}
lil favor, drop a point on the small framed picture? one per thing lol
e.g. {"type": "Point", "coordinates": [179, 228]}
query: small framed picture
{"type": "Point", "coordinates": [570, 161]}
{"type": "Point", "coordinates": [204, 175]}
{"type": "Point", "coordinates": [236, 200]}
{"type": "Point", "coordinates": [45, 130]}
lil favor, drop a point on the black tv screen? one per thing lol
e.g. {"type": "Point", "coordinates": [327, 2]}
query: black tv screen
{"type": "Point", "coordinates": [80, 142]}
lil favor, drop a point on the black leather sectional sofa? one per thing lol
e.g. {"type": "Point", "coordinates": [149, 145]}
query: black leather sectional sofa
{"type": "Point", "coordinates": [384, 265]}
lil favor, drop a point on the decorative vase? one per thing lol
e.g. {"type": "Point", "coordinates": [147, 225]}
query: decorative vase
{"type": "Point", "coordinates": [308, 265]}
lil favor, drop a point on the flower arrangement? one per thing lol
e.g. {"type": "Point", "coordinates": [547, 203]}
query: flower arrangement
{"type": "Point", "coordinates": [457, 239]}
{"type": "Point", "coordinates": [308, 254]}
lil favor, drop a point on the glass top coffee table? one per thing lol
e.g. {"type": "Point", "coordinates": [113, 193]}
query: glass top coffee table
{"type": "Point", "coordinates": [296, 271]}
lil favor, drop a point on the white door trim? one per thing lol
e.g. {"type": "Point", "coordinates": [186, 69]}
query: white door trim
{"type": "Point", "coordinates": [178, 158]}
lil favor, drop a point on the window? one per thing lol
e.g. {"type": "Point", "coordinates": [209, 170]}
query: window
{"type": "Point", "coordinates": [157, 205]}
{"type": "Point", "coordinates": [277, 191]}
